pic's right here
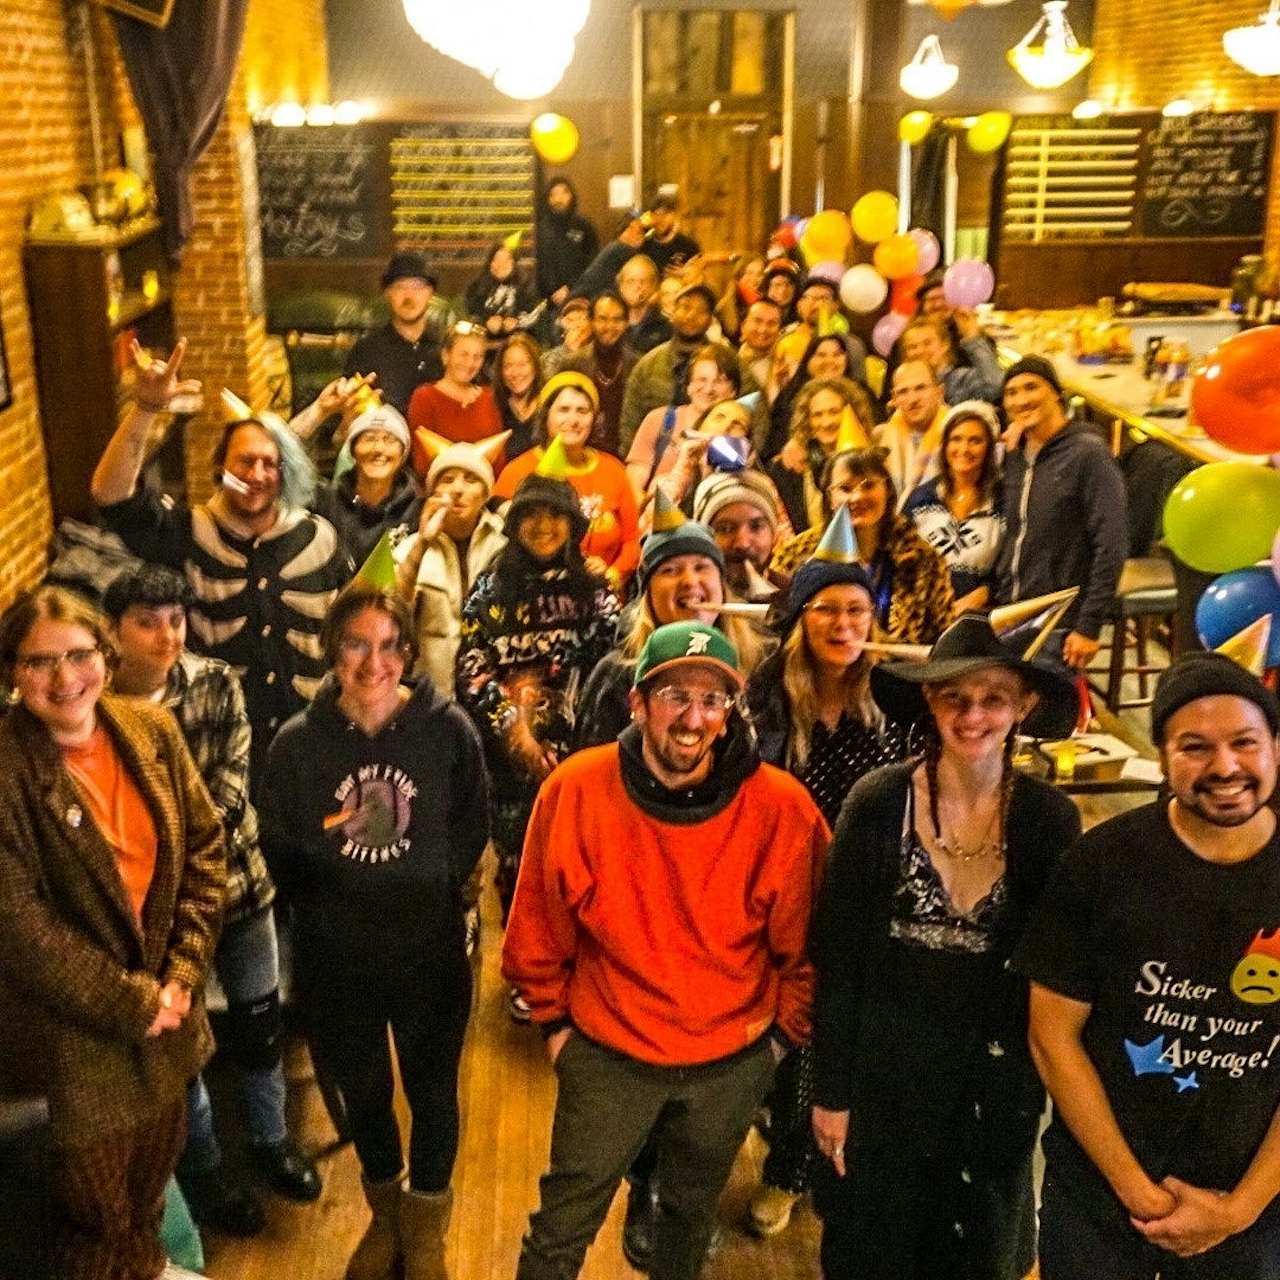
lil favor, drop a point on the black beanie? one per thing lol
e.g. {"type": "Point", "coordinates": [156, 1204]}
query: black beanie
{"type": "Point", "coordinates": [1208, 675]}
{"type": "Point", "coordinates": [1037, 367]}
{"type": "Point", "coordinates": [542, 491]}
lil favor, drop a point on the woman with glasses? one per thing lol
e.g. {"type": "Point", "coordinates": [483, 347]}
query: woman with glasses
{"type": "Point", "coordinates": [814, 716]}
{"type": "Point", "coordinates": [926, 1100]}
{"type": "Point", "coordinates": [374, 811]}
{"type": "Point", "coordinates": [458, 407]}
{"type": "Point", "coordinates": [829, 414]}
{"type": "Point", "coordinates": [112, 877]}
{"type": "Point", "coordinates": [713, 374]}
{"type": "Point", "coordinates": [910, 585]}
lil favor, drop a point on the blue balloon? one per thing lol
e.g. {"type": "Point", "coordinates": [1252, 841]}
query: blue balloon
{"type": "Point", "coordinates": [1235, 601]}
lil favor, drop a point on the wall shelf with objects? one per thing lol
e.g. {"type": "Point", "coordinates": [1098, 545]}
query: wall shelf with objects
{"type": "Point", "coordinates": [90, 298]}
{"type": "Point", "coordinates": [1082, 208]}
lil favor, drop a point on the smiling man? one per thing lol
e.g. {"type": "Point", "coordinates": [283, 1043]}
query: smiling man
{"type": "Point", "coordinates": [1065, 509]}
{"type": "Point", "coordinates": [1155, 1008]}
{"type": "Point", "coordinates": [654, 1023]}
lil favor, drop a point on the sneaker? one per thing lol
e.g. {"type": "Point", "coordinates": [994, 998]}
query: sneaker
{"type": "Point", "coordinates": [471, 926]}
{"type": "Point", "coordinates": [518, 1007]}
{"type": "Point", "coordinates": [771, 1209]}
{"type": "Point", "coordinates": [640, 1226]}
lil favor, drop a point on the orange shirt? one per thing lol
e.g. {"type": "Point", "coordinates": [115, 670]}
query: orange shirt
{"type": "Point", "coordinates": [117, 806]}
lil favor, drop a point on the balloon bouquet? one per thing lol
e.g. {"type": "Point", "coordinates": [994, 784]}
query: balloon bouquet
{"type": "Point", "coordinates": [1224, 517]}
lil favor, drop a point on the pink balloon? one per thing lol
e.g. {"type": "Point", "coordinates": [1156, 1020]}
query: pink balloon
{"type": "Point", "coordinates": [927, 247]}
{"type": "Point", "coordinates": [968, 282]}
{"type": "Point", "coordinates": [829, 270]}
{"type": "Point", "coordinates": [887, 331]}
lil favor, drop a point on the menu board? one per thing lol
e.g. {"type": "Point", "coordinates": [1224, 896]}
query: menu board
{"type": "Point", "coordinates": [319, 193]}
{"type": "Point", "coordinates": [1206, 175]}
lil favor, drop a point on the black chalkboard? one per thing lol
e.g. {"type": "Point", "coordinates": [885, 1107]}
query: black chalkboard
{"type": "Point", "coordinates": [320, 193]}
{"type": "Point", "coordinates": [1206, 175]}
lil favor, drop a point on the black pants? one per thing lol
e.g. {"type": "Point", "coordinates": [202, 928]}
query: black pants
{"type": "Point", "coordinates": [425, 1005]}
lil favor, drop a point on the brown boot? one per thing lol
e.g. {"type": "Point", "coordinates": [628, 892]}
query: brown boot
{"type": "Point", "coordinates": [378, 1252]}
{"type": "Point", "coordinates": [424, 1219]}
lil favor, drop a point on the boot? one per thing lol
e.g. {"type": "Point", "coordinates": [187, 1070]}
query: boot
{"type": "Point", "coordinates": [424, 1219]}
{"type": "Point", "coordinates": [378, 1253]}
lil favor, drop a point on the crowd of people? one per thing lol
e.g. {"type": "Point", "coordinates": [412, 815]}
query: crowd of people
{"type": "Point", "coordinates": [616, 609]}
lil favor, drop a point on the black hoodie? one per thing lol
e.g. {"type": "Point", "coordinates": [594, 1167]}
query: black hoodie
{"type": "Point", "coordinates": [372, 837]}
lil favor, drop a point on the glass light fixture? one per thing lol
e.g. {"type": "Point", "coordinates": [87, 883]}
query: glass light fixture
{"type": "Point", "coordinates": [929, 73]}
{"type": "Point", "coordinates": [289, 115]}
{"type": "Point", "coordinates": [348, 112]}
{"type": "Point", "coordinates": [1257, 48]}
{"type": "Point", "coordinates": [1179, 107]}
{"type": "Point", "coordinates": [1057, 57]}
{"type": "Point", "coordinates": [1089, 109]}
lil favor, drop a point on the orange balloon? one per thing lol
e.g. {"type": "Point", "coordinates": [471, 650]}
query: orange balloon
{"type": "Point", "coordinates": [902, 294]}
{"type": "Point", "coordinates": [896, 257]}
{"type": "Point", "coordinates": [1236, 391]}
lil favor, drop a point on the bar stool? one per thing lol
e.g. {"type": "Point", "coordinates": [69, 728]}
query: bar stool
{"type": "Point", "coordinates": [1146, 591]}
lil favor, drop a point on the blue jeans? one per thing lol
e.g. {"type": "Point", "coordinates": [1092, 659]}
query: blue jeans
{"type": "Point", "coordinates": [247, 963]}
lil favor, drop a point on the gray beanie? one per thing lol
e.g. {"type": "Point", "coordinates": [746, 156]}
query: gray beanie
{"type": "Point", "coordinates": [723, 488]}
{"type": "Point", "coordinates": [1208, 675]}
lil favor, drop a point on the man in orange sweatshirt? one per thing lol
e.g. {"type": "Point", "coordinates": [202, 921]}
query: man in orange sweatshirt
{"type": "Point", "coordinates": [658, 935]}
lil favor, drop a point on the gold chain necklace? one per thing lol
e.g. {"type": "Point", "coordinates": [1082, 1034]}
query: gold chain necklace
{"type": "Point", "coordinates": [954, 849]}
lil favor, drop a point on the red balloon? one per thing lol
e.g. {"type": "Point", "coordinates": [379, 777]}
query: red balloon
{"type": "Point", "coordinates": [785, 235]}
{"type": "Point", "coordinates": [1236, 391]}
{"type": "Point", "coordinates": [902, 295]}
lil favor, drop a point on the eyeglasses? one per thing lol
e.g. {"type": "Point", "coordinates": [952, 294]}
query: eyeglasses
{"type": "Point", "coordinates": [47, 664]}
{"type": "Point", "coordinates": [858, 489]}
{"type": "Point", "coordinates": [714, 706]}
{"type": "Point", "coordinates": [379, 439]}
{"type": "Point", "coordinates": [827, 612]}
{"type": "Point", "coordinates": [351, 647]}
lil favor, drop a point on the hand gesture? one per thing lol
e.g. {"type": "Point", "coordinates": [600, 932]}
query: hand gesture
{"type": "Point", "coordinates": [434, 511]}
{"type": "Point", "coordinates": [1199, 1220]}
{"type": "Point", "coordinates": [156, 382]}
{"type": "Point", "coordinates": [340, 394]}
{"type": "Point", "coordinates": [175, 1004]}
{"type": "Point", "coordinates": [793, 456]}
{"type": "Point", "coordinates": [831, 1132]}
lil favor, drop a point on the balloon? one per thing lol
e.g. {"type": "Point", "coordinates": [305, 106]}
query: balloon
{"type": "Point", "coordinates": [1233, 602]}
{"type": "Point", "coordinates": [863, 288]}
{"type": "Point", "coordinates": [554, 137]}
{"type": "Point", "coordinates": [785, 235]}
{"type": "Point", "coordinates": [830, 270]}
{"type": "Point", "coordinates": [1236, 391]}
{"type": "Point", "coordinates": [989, 131]}
{"type": "Point", "coordinates": [928, 248]}
{"type": "Point", "coordinates": [896, 257]}
{"type": "Point", "coordinates": [1223, 516]}
{"type": "Point", "coordinates": [887, 331]}
{"type": "Point", "coordinates": [1275, 556]}
{"type": "Point", "coordinates": [968, 282]}
{"type": "Point", "coordinates": [875, 216]}
{"type": "Point", "coordinates": [902, 295]}
{"type": "Point", "coordinates": [829, 235]}
{"type": "Point", "coordinates": [914, 126]}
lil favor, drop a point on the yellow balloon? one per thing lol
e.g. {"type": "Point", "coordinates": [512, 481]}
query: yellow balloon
{"type": "Point", "coordinates": [988, 132]}
{"type": "Point", "coordinates": [554, 137]}
{"type": "Point", "coordinates": [914, 126]}
{"type": "Point", "coordinates": [827, 236]}
{"type": "Point", "coordinates": [875, 216]}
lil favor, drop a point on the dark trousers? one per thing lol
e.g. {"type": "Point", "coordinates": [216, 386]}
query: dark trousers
{"type": "Point", "coordinates": [109, 1199]}
{"type": "Point", "coordinates": [1077, 1243]}
{"type": "Point", "coordinates": [607, 1105]}
{"type": "Point", "coordinates": [426, 1008]}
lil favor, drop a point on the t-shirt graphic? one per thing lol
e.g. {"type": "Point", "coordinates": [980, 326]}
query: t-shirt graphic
{"type": "Point", "coordinates": [377, 806]}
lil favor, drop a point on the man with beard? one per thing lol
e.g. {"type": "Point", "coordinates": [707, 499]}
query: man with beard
{"type": "Point", "coordinates": [1154, 960]}
{"type": "Point", "coordinates": [666, 1028]}
{"type": "Point", "coordinates": [404, 352]}
{"type": "Point", "coordinates": [760, 328]}
{"type": "Point", "coordinates": [608, 362]}
{"type": "Point", "coordinates": [567, 242]}
{"type": "Point", "coordinates": [741, 510]}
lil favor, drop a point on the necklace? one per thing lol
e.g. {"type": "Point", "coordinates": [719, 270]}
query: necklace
{"type": "Point", "coordinates": [954, 849]}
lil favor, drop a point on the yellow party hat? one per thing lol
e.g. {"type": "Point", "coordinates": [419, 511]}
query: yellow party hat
{"type": "Point", "coordinates": [1248, 648]}
{"type": "Point", "coordinates": [233, 408]}
{"type": "Point", "coordinates": [666, 515]}
{"type": "Point", "coordinates": [554, 463]}
{"type": "Point", "coordinates": [851, 435]}
{"type": "Point", "coordinates": [511, 242]}
{"type": "Point", "coordinates": [379, 570]}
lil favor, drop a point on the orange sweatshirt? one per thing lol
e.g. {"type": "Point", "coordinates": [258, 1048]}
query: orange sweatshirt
{"type": "Point", "coordinates": [675, 944]}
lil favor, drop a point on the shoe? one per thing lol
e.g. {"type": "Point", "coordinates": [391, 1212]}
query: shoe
{"type": "Point", "coordinates": [216, 1203]}
{"type": "Point", "coordinates": [471, 927]}
{"type": "Point", "coordinates": [378, 1256]}
{"type": "Point", "coordinates": [639, 1228]}
{"type": "Point", "coordinates": [518, 1006]}
{"type": "Point", "coordinates": [287, 1171]}
{"type": "Point", "coordinates": [424, 1220]}
{"type": "Point", "coordinates": [771, 1209]}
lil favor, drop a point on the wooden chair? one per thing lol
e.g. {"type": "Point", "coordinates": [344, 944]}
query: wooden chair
{"type": "Point", "coordinates": [1146, 593]}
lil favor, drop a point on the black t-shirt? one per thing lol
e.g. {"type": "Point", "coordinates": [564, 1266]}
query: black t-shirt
{"type": "Point", "coordinates": [671, 253]}
{"type": "Point", "coordinates": [1180, 960]}
{"type": "Point", "coordinates": [402, 366]}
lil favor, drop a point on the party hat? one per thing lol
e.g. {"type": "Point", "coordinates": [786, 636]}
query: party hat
{"type": "Point", "coordinates": [831, 322]}
{"type": "Point", "coordinates": [1007, 616]}
{"type": "Point", "coordinates": [233, 408]}
{"type": "Point", "coordinates": [794, 344]}
{"type": "Point", "coordinates": [837, 545]}
{"type": "Point", "coordinates": [750, 401]}
{"type": "Point", "coordinates": [728, 453]}
{"type": "Point", "coordinates": [379, 570]}
{"type": "Point", "coordinates": [851, 435]}
{"type": "Point", "coordinates": [554, 463]}
{"type": "Point", "coordinates": [511, 242]}
{"type": "Point", "coordinates": [666, 515]}
{"type": "Point", "coordinates": [433, 445]}
{"type": "Point", "coordinates": [365, 398]}
{"type": "Point", "coordinates": [1248, 648]}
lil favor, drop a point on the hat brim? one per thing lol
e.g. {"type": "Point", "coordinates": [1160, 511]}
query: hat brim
{"type": "Point", "coordinates": [898, 689]}
{"type": "Point", "coordinates": [698, 659]}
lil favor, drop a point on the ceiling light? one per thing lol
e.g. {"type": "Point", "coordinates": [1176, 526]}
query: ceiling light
{"type": "Point", "coordinates": [322, 113]}
{"type": "Point", "coordinates": [1179, 107]}
{"type": "Point", "coordinates": [1057, 57]}
{"type": "Point", "coordinates": [1257, 48]}
{"type": "Point", "coordinates": [348, 112]}
{"type": "Point", "coordinates": [1089, 109]}
{"type": "Point", "coordinates": [929, 73]}
{"type": "Point", "coordinates": [288, 115]}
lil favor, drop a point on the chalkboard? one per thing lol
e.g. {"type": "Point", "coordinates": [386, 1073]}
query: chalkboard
{"type": "Point", "coordinates": [319, 191]}
{"type": "Point", "coordinates": [1206, 175]}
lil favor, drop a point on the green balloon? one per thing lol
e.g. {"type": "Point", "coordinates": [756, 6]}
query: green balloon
{"type": "Point", "coordinates": [1223, 516]}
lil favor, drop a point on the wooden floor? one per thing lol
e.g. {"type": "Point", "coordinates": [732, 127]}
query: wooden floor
{"type": "Point", "coordinates": [508, 1092]}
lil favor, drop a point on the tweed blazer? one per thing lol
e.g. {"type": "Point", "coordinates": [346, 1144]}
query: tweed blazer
{"type": "Point", "coordinates": [80, 978]}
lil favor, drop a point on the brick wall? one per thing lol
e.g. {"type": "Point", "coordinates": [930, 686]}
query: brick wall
{"type": "Point", "coordinates": [1147, 52]}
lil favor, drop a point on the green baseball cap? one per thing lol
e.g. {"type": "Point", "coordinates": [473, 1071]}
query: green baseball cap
{"type": "Point", "coordinates": [687, 642]}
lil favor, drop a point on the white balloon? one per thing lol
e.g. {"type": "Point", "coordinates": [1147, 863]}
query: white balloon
{"type": "Point", "coordinates": [863, 288]}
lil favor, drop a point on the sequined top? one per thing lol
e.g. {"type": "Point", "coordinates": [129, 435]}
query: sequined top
{"type": "Point", "coordinates": [923, 913]}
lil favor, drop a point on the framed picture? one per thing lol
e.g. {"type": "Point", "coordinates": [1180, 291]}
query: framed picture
{"type": "Point", "coordinates": [155, 12]}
